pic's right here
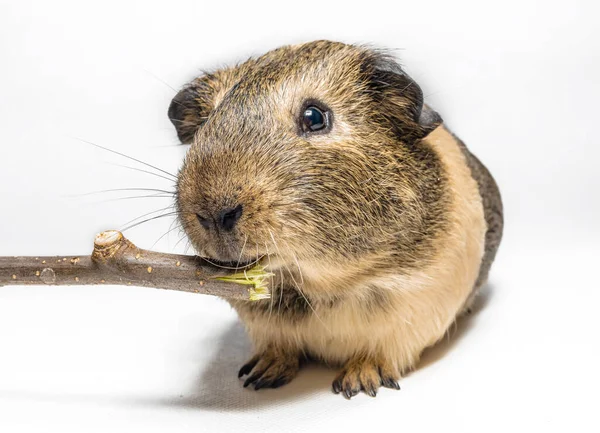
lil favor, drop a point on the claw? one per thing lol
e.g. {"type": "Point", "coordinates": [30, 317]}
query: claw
{"type": "Point", "coordinates": [261, 383]}
{"type": "Point", "coordinates": [337, 386]}
{"type": "Point", "coordinates": [247, 367]}
{"type": "Point", "coordinates": [278, 382]}
{"type": "Point", "coordinates": [371, 391]}
{"type": "Point", "coordinates": [253, 378]}
{"type": "Point", "coordinates": [350, 392]}
{"type": "Point", "coordinates": [388, 382]}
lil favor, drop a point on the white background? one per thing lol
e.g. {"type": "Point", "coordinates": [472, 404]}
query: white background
{"type": "Point", "coordinates": [517, 80]}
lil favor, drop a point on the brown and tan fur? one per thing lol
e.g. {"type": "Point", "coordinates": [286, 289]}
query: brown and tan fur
{"type": "Point", "coordinates": [379, 231]}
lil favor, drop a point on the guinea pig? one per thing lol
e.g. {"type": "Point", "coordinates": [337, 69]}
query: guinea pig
{"type": "Point", "coordinates": [322, 162]}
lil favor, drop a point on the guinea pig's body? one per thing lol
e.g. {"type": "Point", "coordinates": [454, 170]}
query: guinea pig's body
{"type": "Point", "coordinates": [322, 161]}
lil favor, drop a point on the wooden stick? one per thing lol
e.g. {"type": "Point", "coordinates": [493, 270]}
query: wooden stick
{"type": "Point", "coordinates": [117, 261]}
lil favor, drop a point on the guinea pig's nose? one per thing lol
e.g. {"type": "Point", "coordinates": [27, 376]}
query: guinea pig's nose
{"type": "Point", "coordinates": [228, 218]}
{"type": "Point", "coordinates": [204, 222]}
{"type": "Point", "coordinates": [224, 220]}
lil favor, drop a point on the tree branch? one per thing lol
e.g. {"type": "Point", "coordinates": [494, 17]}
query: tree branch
{"type": "Point", "coordinates": [117, 261]}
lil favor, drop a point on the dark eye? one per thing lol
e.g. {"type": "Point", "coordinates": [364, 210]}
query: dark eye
{"type": "Point", "coordinates": [314, 119]}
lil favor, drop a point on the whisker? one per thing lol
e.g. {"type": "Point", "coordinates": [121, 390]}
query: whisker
{"type": "Point", "coordinates": [242, 252]}
{"type": "Point", "coordinates": [297, 263]}
{"type": "Point", "coordinates": [180, 239]}
{"type": "Point", "coordinates": [147, 220]}
{"type": "Point", "coordinates": [279, 252]}
{"type": "Point", "coordinates": [160, 79]}
{"type": "Point", "coordinates": [127, 156]}
{"type": "Point", "coordinates": [121, 189]}
{"type": "Point", "coordinates": [140, 170]}
{"type": "Point", "coordinates": [271, 299]}
{"type": "Point", "coordinates": [146, 214]}
{"type": "Point", "coordinates": [280, 290]}
{"type": "Point", "coordinates": [179, 224]}
{"type": "Point", "coordinates": [232, 267]}
{"type": "Point", "coordinates": [136, 197]}
{"type": "Point", "coordinates": [166, 233]}
{"type": "Point", "coordinates": [170, 145]}
{"type": "Point", "coordinates": [187, 247]}
{"type": "Point", "coordinates": [297, 285]}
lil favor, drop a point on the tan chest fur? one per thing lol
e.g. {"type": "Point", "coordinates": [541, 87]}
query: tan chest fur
{"type": "Point", "coordinates": [419, 307]}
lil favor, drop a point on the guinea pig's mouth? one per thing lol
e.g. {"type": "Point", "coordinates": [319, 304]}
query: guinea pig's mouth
{"type": "Point", "coordinates": [236, 264]}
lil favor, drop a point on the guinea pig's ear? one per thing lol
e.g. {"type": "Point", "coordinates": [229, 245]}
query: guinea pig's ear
{"type": "Point", "coordinates": [400, 98]}
{"type": "Point", "coordinates": [191, 106]}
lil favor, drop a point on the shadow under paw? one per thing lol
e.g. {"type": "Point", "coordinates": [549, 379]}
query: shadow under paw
{"type": "Point", "coordinates": [219, 388]}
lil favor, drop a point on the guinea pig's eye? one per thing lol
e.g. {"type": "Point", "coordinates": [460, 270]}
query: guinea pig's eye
{"type": "Point", "coordinates": [314, 119]}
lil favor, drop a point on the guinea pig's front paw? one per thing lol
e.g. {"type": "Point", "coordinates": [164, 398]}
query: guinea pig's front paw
{"type": "Point", "coordinates": [270, 369]}
{"type": "Point", "coordinates": [364, 375]}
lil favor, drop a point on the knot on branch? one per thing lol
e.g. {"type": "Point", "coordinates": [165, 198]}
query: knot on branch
{"type": "Point", "coordinates": [48, 276]}
{"type": "Point", "coordinates": [107, 244]}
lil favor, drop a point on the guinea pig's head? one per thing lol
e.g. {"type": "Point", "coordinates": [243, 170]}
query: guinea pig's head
{"type": "Point", "coordinates": [305, 156]}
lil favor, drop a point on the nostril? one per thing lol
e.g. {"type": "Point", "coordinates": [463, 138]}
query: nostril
{"type": "Point", "coordinates": [229, 217]}
{"type": "Point", "coordinates": [204, 222]}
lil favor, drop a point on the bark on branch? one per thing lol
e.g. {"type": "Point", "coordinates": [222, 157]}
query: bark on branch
{"type": "Point", "coordinates": [117, 261]}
